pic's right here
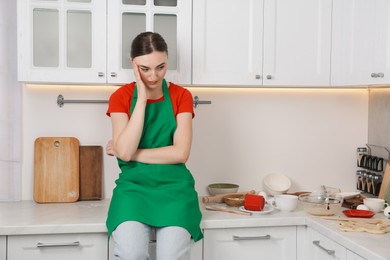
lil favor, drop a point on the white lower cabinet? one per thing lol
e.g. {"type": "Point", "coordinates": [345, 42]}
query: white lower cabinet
{"type": "Point", "coordinates": [250, 243]}
{"type": "Point", "coordinates": [3, 247]}
{"type": "Point", "coordinates": [352, 256]}
{"type": "Point", "coordinates": [59, 247]}
{"type": "Point", "coordinates": [320, 247]}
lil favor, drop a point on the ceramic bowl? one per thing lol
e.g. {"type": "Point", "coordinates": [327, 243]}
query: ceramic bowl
{"type": "Point", "coordinates": [234, 200]}
{"type": "Point", "coordinates": [222, 188]}
{"type": "Point", "coordinates": [276, 183]}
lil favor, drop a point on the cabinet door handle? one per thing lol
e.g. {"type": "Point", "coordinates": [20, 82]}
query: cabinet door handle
{"type": "Point", "coordinates": [381, 75]}
{"type": "Point", "coordinates": [269, 76]}
{"type": "Point", "coordinates": [328, 251]}
{"type": "Point", "coordinates": [113, 74]}
{"type": "Point", "coordinates": [266, 237]}
{"type": "Point", "coordinates": [374, 75]}
{"type": "Point", "coordinates": [100, 74]}
{"type": "Point", "coordinates": [76, 243]}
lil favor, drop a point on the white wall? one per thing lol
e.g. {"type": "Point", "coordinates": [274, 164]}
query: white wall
{"type": "Point", "coordinates": [308, 134]}
{"type": "Point", "coordinates": [10, 106]}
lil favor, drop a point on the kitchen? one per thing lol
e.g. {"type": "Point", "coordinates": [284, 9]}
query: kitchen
{"type": "Point", "coordinates": [309, 134]}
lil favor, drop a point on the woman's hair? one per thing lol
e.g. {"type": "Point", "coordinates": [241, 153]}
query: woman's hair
{"type": "Point", "coordinates": [146, 43]}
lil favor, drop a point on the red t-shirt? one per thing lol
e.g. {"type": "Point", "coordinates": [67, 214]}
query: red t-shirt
{"type": "Point", "coordinates": [181, 98]}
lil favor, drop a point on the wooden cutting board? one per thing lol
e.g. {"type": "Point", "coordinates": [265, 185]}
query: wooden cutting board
{"type": "Point", "coordinates": [56, 169]}
{"type": "Point", "coordinates": [91, 168]}
{"type": "Point", "coordinates": [385, 182]}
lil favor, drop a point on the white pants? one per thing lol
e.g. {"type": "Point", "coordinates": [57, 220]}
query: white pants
{"type": "Point", "coordinates": [131, 240]}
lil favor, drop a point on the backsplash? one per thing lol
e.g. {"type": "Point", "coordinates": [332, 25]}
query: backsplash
{"type": "Point", "coordinates": [310, 135]}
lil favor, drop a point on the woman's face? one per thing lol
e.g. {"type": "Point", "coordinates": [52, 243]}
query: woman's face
{"type": "Point", "coordinates": [152, 68]}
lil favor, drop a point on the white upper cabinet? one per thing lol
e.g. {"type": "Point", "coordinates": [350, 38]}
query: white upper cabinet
{"type": "Point", "coordinates": [297, 42]}
{"type": "Point", "coordinates": [361, 42]}
{"type": "Point", "coordinates": [61, 41]}
{"type": "Point", "coordinates": [88, 41]}
{"type": "Point", "coordinates": [227, 42]}
{"type": "Point", "coordinates": [262, 42]}
{"type": "Point", "coordinates": [128, 18]}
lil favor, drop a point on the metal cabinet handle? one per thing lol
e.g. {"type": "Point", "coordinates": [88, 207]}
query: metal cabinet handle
{"type": "Point", "coordinates": [374, 75]}
{"type": "Point", "coordinates": [113, 74]}
{"type": "Point", "coordinates": [381, 75]}
{"type": "Point", "coordinates": [328, 251]}
{"type": "Point", "coordinates": [100, 74]}
{"type": "Point", "coordinates": [266, 237]}
{"type": "Point", "coordinates": [269, 76]}
{"type": "Point", "coordinates": [257, 76]}
{"type": "Point", "coordinates": [76, 243]}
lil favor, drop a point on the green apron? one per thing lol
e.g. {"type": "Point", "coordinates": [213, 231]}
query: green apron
{"type": "Point", "coordinates": [158, 195]}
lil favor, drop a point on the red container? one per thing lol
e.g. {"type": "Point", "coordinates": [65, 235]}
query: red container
{"type": "Point", "coordinates": [254, 202]}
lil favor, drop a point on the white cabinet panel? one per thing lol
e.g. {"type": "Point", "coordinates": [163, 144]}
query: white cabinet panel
{"type": "Point", "coordinates": [297, 42]}
{"type": "Point", "coordinates": [227, 42]}
{"type": "Point", "coordinates": [352, 256]}
{"type": "Point", "coordinates": [250, 243]}
{"type": "Point", "coordinates": [3, 247]}
{"type": "Point", "coordinates": [59, 247]}
{"type": "Point", "coordinates": [361, 42]}
{"type": "Point", "coordinates": [319, 247]}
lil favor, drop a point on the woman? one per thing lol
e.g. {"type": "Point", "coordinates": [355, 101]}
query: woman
{"type": "Point", "coordinates": [151, 137]}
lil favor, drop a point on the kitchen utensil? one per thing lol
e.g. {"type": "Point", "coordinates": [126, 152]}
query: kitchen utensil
{"type": "Point", "coordinates": [374, 204]}
{"type": "Point", "coordinates": [285, 202]}
{"type": "Point", "coordinates": [91, 168]}
{"type": "Point", "coordinates": [234, 200]}
{"type": "Point", "coordinates": [276, 183]}
{"type": "Point", "coordinates": [385, 181]}
{"type": "Point", "coordinates": [219, 198]}
{"type": "Point", "coordinates": [358, 213]}
{"type": "Point", "coordinates": [56, 169]}
{"type": "Point", "coordinates": [235, 211]}
{"type": "Point", "coordinates": [222, 188]}
{"type": "Point", "coordinates": [321, 205]}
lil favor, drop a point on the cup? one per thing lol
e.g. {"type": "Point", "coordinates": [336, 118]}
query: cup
{"type": "Point", "coordinates": [254, 202]}
{"type": "Point", "coordinates": [285, 202]}
{"type": "Point", "coordinates": [374, 204]}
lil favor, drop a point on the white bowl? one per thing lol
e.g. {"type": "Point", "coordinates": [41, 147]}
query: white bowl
{"type": "Point", "coordinates": [276, 183]}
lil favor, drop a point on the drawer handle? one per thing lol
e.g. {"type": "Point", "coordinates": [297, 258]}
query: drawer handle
{"type": "Point", "coordinates": [328, 251]}
{"type": "Point", "coordinates": [252, 238]}
{"type": "Point", "coordinates": [76, 243]}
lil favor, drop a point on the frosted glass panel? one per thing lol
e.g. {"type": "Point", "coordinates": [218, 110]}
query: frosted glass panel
{"type": "Point", "coordinates": [134, 2]}
{"type": "Point", "coordinates": [165, 2]}
{"type": "Point", "coordinates": [45, 38]}
{"type": "Point", "coordinates": [166, 25]}
{"type": "Point", "coordinates": [79, 39]}
{"type": "Point", "coordinates": [132, 25]}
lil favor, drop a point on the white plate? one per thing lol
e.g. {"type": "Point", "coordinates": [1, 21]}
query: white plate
{"type": "Point", "coordinates": [348, 194]}
{"type": "Point", "coordinates": [267, 209]}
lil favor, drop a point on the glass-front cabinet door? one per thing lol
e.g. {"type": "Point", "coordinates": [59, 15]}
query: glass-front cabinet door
{"type": "Point", "coordinates": [128, 18]}
{"type": "Point", "coordinates": [61, 41]}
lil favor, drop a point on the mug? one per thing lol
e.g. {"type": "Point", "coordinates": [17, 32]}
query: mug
{"type": "Point", "coordinates": [386, 211]}
{"type": "Point", "coordinates": [254, 202]}
{"type": "Point", "coordinates": [285, 202]}
{"type": "Point", "coordinates": [374, 204]}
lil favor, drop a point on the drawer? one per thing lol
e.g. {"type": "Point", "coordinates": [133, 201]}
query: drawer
{"type": "Point", "coordinates": [59, 247]}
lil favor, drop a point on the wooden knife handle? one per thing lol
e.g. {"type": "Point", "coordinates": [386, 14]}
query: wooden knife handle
{"type": "Point", "coordinates": [219, 198]}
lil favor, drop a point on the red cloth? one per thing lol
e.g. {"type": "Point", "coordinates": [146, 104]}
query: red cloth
{"type": "Point", "coordinates": [181, 98]}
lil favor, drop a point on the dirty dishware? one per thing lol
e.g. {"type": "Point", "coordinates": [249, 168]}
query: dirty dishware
{"type": "Point", "coordinates": [374, 204]}
{"type": "Point", "coordinates": [285, 202]}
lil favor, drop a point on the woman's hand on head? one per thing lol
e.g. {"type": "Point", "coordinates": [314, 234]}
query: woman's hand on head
{"type": "Point", "coordinates": [141, 88]}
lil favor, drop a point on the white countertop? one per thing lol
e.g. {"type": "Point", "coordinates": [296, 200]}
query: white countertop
{"type": "Point", "coordinates": [28, 217]}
